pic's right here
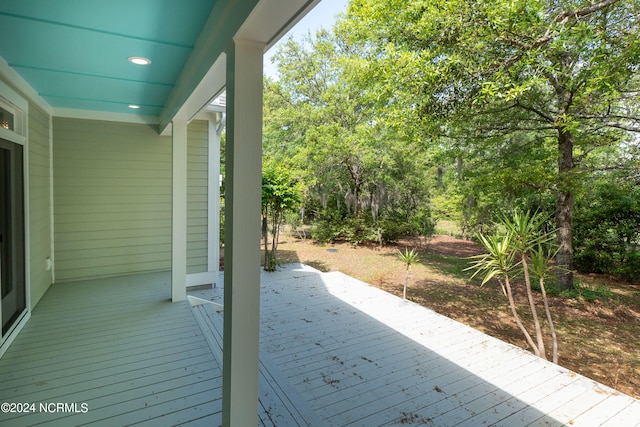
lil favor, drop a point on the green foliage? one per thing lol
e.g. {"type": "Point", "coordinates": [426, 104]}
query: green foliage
{"type": "Point", "coordinates": [498, 261]}
{"type": "Point", "coordinates": [608, 230]}
{"type": "Point", "coordinates": [524, 92]}
{"type": "Point", "coordinates": [364, 168]}
{"type": "Point", "coordinates": [522, 248]}
{"type": "Point", "coordinates": [281, 192]}
{"type": "Point", "coordinates": [327, 228]}
{"type": "Point", "coordinates": [331, 226]}
{"type": "Point", "coordinates": [408, 258]}
{"type": "Point", "coordinates": [393, 228]}
{"type": "Point", "coordinates": [459, 111]}
{"type": "Point", "coordinates": [580, 291]}
{"type": "Point", "coordinates": [357, 231]}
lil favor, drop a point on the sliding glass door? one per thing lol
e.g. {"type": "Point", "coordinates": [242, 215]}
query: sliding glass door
{"type": "Point", "coordinates": [12, 234]}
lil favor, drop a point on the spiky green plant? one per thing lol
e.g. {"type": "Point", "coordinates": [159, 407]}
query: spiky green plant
{"type": "Point", "coordinates": [520, 251]}
{"type": "Point", "coordinates": [500, 263]}
{"type": "Point", "coordinates": [408, 257]}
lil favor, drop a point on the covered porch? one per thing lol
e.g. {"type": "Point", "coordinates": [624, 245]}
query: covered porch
{"type": "Point", "coordinates": [334, 352]}
{"type": "Point", "coordinates": [109, 132]}
{"type": "Point", "coordinates": [114, 193]}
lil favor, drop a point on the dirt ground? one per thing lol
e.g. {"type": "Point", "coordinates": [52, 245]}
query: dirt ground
{"type": "Point", "coordinates": [599, 339]}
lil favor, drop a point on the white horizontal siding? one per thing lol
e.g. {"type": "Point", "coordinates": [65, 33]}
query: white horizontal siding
{"type": "Point", "coordinates": [112, 192]}
{"type": "Point", "coordinates": [39, 203]}
{"type": "Point", "coordinates": [112, 197]}
{"type": "Point", "coordinates": [197, 190]}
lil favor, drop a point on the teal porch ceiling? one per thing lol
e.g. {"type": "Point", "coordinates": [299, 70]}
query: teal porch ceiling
{"type": "Point", "coordinates": [74, 52]}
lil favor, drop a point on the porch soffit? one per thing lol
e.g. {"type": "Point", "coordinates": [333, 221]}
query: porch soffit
{"type": "Point", "coordinates": [265, 24]}
{"type": "Point", "coordinates": [74, 54]}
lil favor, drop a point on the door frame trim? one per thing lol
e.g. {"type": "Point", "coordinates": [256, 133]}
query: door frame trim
{"type": "Point", "coordinates": [20, 137]}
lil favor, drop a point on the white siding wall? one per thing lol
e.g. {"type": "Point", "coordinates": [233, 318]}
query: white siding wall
{"type": "Point", "coordinates": [112, 198]}
{"type": "Point", "coordinates": [39, 202]}
{"type": "Point", "coordinates": [197, 160]}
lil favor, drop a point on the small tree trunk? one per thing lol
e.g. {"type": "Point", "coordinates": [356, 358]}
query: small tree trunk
{"type": "Point", "coordinates": [265, 237]}
{"type": "Point", "coordinates": [406, 280]}
{"type": "Point", "coordinates": [275, 235]}
{"type": "Point", "coordinates": [534, 313]}
{"type": "Point", "coordinates": [554, 338]}
{"type": "Point", "coordinates": [514, 311]}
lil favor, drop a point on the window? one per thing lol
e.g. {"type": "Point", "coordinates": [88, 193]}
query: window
{"type": "Point", "coordinates": [6, 118]}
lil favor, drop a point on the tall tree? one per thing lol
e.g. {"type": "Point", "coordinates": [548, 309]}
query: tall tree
{"type": "Point", "coordinates": [325, 111]}
{"type": "Point", "coordinates": [281, 192]}
{"type": "Point", "coordinates": [559, 71]}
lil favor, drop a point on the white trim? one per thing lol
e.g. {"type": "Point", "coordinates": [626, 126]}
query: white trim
{"type": "Point", "coordinates": [207, 90]}
{"type": "Point", "coordinates": [12, 100]}
{"type": "Point", "coordinates": [52, 256]}
{"type": "Point", "coordinates": [211, 276]}
{"type": "Point", "coordinates": [27, 214]}
{"type": "Point", "coordinates": [13, 333]}
{"type": "Point", "coordinates": [195, 301]}
{"type": "Point", "coordinates": [179, 211]}
{"type": "Point", "coordinates": [267, 22]}
{"type": "Point", "coordinates": [199, 279]}
{"type": "Point", "coordinates": [19, 136]}
{"type": "Point", "coordinates": [106, 116]}
{"type": "Point", "coordinates": [12, 136]}
{"type": "Point", "coordinates": [213, 183]}
{"type": "Point", "coordinates": [22, 85]}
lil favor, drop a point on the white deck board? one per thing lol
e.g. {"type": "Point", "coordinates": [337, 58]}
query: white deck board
{"type": "Point", "coordinates": [362, 357]}
{"type": "Point", "coordinates": [629, 415]}
{"type": "Point", "coordinates": [334, 352]}
{"type": "Point", "coordinates": [120, 346]}
{"type": "Point", "coordinates": [279, 405]}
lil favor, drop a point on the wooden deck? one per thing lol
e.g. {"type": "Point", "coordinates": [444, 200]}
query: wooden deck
{"type": "Point", "coordinates": [334, 352]}
{"type": "Point", "coordinates": [359, 356]}
{"type": "Point", "coordinates": [119, 346]}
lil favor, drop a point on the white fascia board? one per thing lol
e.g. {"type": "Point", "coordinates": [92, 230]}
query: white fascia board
{"type": "Point", "coordinates": [71, 113]}
{"type": "Point", "coordinates": [209, 87]}
{"type": "Point", "coordinates": [23, 86]}
{"type": "Point", "coordinates": [266, 23]}
{"type": "Point", "coordinates": [226, 17]}
{"type": "Point", "coordinates": [271, 20]}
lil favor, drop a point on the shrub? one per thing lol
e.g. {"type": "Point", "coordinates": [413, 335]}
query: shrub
{"type": "Point", "coordinates": [394, 229]}
{"type": "Point", "coordinates": [607, 230]}
{"type": "Point", "coordinates": [326, 228]}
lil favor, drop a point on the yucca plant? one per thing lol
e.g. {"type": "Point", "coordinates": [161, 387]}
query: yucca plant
{"type": "Point", "coordinates": [541, 268]}
{"type": "Point", "coordinates": [520, 251]}
{"type": "Point", "coordinates": [500, 263]}
{"type": "Point", "coordinates": [408, 257]}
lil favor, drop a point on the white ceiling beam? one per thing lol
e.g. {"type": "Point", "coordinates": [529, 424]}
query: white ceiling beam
{"type": "Point", "coordinates": [203, 76]}
{"type": "Point", "coordinates": [226, 17]}
{"type": "Point", "coordinates": [270, 20]}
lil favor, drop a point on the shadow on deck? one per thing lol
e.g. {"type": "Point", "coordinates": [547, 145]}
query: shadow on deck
{"type": "Point", "coordinates": [334, 352]}
{"type": "Point", "coordinates": [356, 355]}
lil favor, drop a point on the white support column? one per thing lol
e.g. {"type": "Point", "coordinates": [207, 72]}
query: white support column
{"type": "Point", "coordinates": [213, 255]}
{"type": "Point", "coordinates": [179, 212]}
{"type": "Point", "coordinates": [243, 194]}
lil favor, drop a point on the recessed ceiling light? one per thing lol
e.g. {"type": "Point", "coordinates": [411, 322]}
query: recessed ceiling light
{"type": "Point", "coordinates": [135, 107]}
{"type": "Point", "coordinates": [139, 60]}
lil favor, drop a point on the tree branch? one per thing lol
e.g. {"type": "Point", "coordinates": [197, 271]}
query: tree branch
{"type": "Point", "coordinates": [623, 126]}
{"type": "Point", "coordinates": [545, 116]}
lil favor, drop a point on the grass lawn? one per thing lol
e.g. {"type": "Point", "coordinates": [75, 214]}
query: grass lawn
{"type": "Point", "coordinates": [598, 334]}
